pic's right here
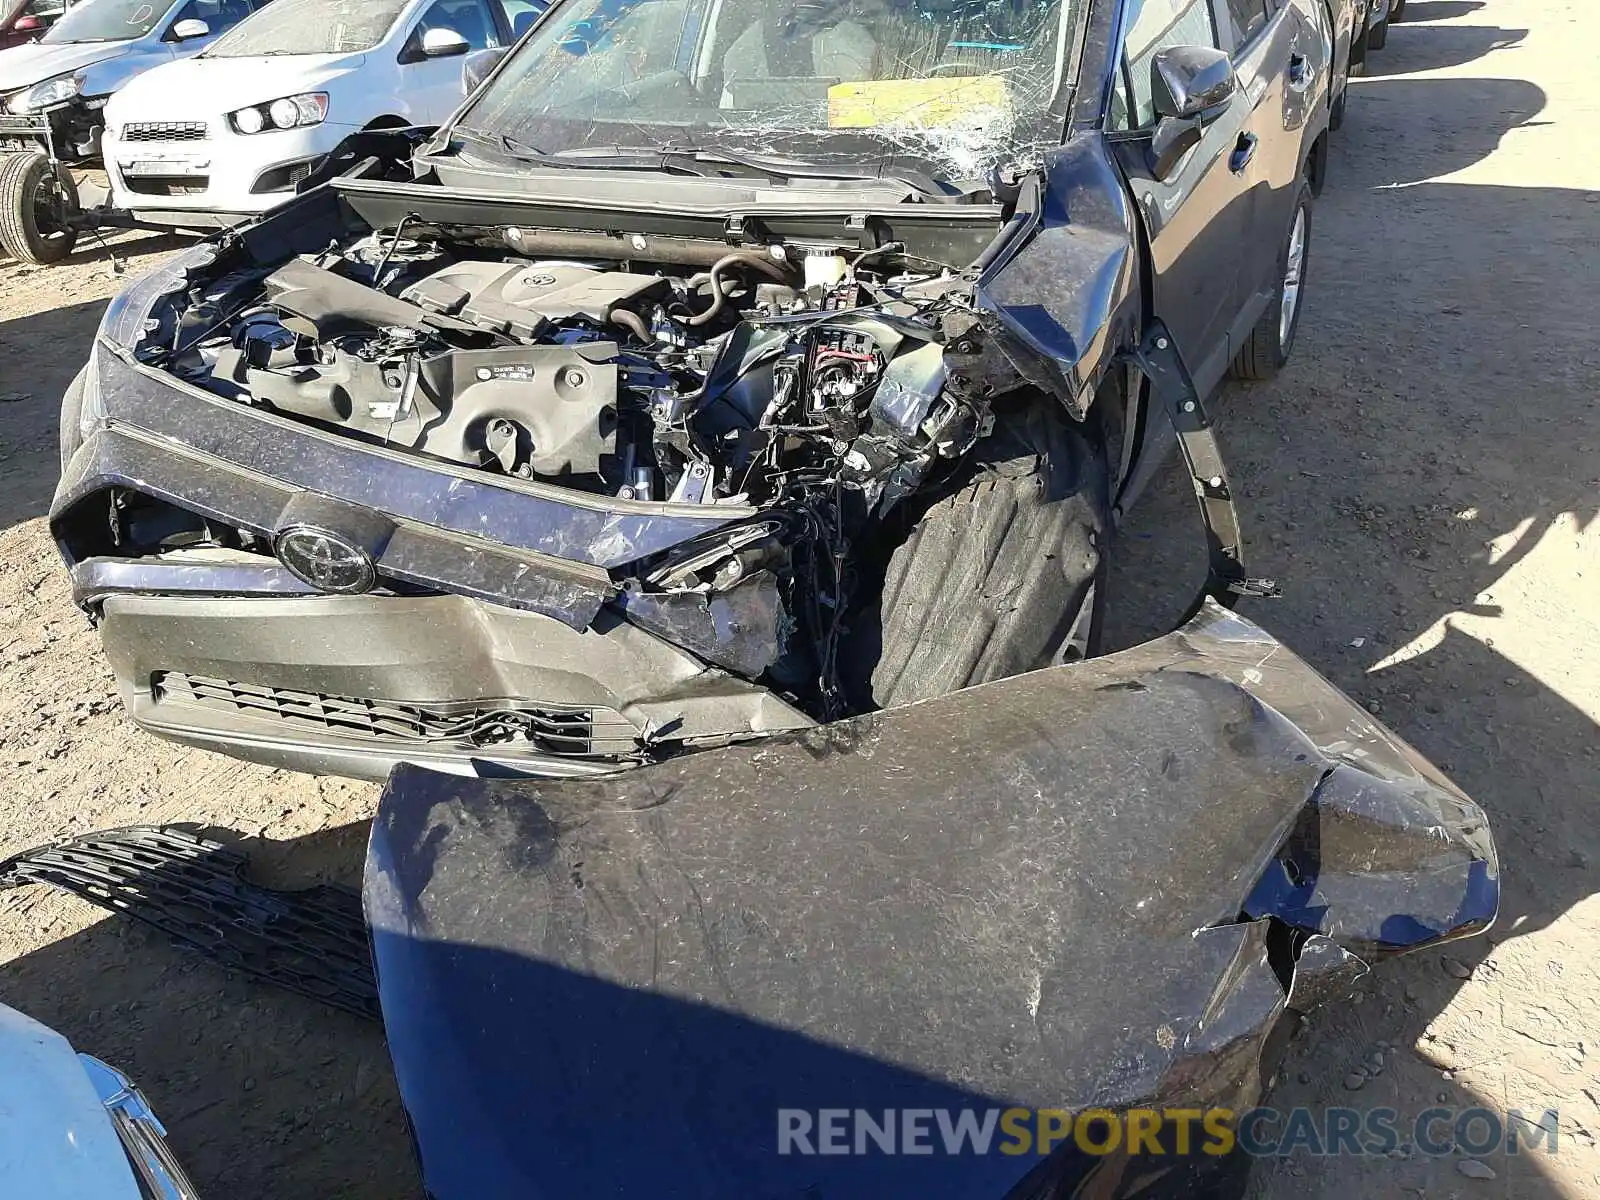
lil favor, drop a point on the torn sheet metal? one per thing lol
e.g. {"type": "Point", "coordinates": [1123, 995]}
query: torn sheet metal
{"type": "Point", "coordinates": [741, 628]}
{"type": "Point", "coordinates": [1054, 891]}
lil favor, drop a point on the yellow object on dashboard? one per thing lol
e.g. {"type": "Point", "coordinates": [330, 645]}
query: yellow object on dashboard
{"type": "Point", "coordinates": [926, 102]}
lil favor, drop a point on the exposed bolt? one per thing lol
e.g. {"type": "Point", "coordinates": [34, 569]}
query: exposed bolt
{"type": "Point", "coordinates": [1188, 406]}
{"type": "Point", "coordinates": [638, 241]}
{"type": "Point", "coordinates": [575, 377]}
{"type": "Point", "coordinates": [1161, 343]}
{"type": "Point", "coordinates": [1216, 481]}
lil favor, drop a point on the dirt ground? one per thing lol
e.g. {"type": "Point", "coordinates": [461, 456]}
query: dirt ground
{"type": "Point", "coordinates": [1424, 480]}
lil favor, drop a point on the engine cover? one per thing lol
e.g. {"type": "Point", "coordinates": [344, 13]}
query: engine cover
{"type": "Point", "coordinates": [540, 410]}
{"type": "Point", "coordinates": [522, 299]}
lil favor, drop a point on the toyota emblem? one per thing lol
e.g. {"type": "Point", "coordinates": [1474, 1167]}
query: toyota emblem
{"type": "Point", "coordinates": [326, 561]}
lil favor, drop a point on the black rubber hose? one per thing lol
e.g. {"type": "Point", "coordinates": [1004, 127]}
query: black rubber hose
{"type": "Point", "coordinates": [742, 258]}
{"type": "Point", "coordinates": [631, 321]}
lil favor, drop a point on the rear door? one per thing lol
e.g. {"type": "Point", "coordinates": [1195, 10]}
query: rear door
{"type": "Point", "coordinates": [1196, 218]}
{"type": "Point", "coordinates": [1283, 67]}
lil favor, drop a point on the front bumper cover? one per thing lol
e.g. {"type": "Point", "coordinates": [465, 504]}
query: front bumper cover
{"type": "Point", "coordinates": [1103, 885]}
{"type": "Point", "coordinates": [354, 685]}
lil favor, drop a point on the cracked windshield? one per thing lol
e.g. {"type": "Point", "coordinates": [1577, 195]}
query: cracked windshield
{"type": "Point", "coordinates": [953, 87]}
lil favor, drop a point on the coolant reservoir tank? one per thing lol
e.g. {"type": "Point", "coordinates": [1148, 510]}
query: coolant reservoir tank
{"type": "Point", "coordinates": [823, 270]}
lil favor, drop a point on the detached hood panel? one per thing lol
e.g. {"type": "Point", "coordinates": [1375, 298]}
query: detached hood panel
{"type": "Point", "coordinates": [1098, 885]}
{"type": "Point", "coordinates": [24, 66]}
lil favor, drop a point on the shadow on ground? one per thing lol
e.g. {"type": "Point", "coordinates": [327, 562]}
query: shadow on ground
{"type": "Point", "coordinates": [41, 354]}
{"type": "Point", "coordinates": [1444, 368]}
{"type": "Point", "coordinates": [264, 1093]}
{"type": "Point", "coordinates": [1442, 397]}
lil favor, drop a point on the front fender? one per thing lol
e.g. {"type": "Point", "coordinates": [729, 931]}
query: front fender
{"type": "Point", "coordinates": [1063, 297]}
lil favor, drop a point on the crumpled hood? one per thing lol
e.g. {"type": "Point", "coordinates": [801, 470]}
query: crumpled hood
{"type": "Point", "coordinates": [1099, 885]}
{"type": "Point", "coordinates": [56, 1141]}
{"type": "Point", "coordinates": [24, 66]}
{"type": "Point", "coordinates": [202, 87]}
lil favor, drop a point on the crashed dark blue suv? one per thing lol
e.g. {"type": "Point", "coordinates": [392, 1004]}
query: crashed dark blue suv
{"type": "Point", "coordinates": [651, 404]}
{"type": "Point", "coordinates": [726, 378]}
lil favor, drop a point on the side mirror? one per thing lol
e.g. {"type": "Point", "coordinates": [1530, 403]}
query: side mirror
{"type": "Point", "coordinates": [476, 67]}
{"type": "Point", "coordinates": [1190, 82]}
{"type": "Point", "coordinates": [28, 25]}
{"type": "Point", "coordinates": [443, 43]}
{"type": "Point", "coordinates": [187, 31]}
{"type": "Point", "coordinates": [1191, 86]}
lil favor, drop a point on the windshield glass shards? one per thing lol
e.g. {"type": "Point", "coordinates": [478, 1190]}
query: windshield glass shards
{"type": "Point", "coordinates": [961, 87]}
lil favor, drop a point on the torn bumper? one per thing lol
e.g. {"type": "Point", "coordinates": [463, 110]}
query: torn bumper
{"type": "Point", "coordinates": [1104, 885]}
{"type": "Point", "coordinates": [354, 685]}
{"type": "Point", "coordinates": [517, 665]}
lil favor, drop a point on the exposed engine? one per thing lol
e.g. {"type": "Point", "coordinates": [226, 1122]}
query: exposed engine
{"type": "Point", "coordinates": [817, 384]}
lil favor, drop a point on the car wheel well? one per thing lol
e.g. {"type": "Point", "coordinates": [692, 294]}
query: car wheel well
{"type": "Point", "coordinates": [1317, 163]}
{"type": "Point", "coordinates": [387, 122]}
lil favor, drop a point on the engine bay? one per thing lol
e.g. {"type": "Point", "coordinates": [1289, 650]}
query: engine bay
{"type": "Point", "coordinates": [814, 384]}
{"type": "Point", "coordinates": [747, 383]}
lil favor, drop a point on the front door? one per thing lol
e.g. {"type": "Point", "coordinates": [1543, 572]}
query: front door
{"type": "Point", "coordinates": [1196, 218]}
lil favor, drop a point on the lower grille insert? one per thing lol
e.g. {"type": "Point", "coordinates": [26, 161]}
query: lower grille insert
{"type": "Point", "coordinates": [477, 724]}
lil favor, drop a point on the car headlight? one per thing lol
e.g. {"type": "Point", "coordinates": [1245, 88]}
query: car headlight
{"type": "Point", "coordinates": [43, 95]}
{"type": "Point", "coordinates": [292, 112]}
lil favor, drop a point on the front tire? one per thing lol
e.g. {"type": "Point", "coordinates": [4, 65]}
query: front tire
{"type": "Point", "coordinates": [999, 574]}
{"type": "Point", "coordinates": [35, 201]}
{"type": "Point", "coordinates": [1397, 10]}
{"type": "Point", "coordinates": [1272, 340]}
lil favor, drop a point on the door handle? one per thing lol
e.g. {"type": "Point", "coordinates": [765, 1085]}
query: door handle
{"type": "Point", "coordinates": [1300, 72]}
{"type": "Point", "coordinates": [1243, 151]}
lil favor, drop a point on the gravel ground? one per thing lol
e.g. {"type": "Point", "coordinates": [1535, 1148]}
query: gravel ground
{"type": "Point", "coordinates": [1424, 480]}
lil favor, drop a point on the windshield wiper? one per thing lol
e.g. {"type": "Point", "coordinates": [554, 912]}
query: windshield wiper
{"type": "Point", "coordinates": [695, 159]}
{"type": "Point", "coordinates": [691, 160]}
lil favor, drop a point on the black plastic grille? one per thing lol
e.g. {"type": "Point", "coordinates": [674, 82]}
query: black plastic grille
{"type": "Point", "coordinates": [493, 724]}
{"type": "Point", "coordinates": [164, 131]}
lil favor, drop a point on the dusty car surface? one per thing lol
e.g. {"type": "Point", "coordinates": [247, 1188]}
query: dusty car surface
{"type": "Point", "coordinates": [73, 1128]}
{"type": "Point", "coordinates": [830, 410]}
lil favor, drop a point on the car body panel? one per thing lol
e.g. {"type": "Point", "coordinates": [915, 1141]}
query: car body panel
{"type": "Point", "coordinates": [23, 66]}
{"type": "Point", "coordinates": [72, 129]}
{"type": "Point", "coordinates": [1023, 894]}
{"type": "Point", "coordinates": [55, 1140]}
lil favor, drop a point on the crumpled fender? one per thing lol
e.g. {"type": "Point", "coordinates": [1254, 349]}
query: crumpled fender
{"type": "Point", "coordinates": [1102, 885]}
{"type": "Point", "coordinates": [1062, 290]}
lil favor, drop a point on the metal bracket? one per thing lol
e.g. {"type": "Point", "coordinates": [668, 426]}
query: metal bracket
{"type": "Point", "coordinates": [1158, 360]}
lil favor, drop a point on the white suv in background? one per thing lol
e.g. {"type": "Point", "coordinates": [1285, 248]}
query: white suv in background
{"type": "Point", "coordinates": [232, 132]}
